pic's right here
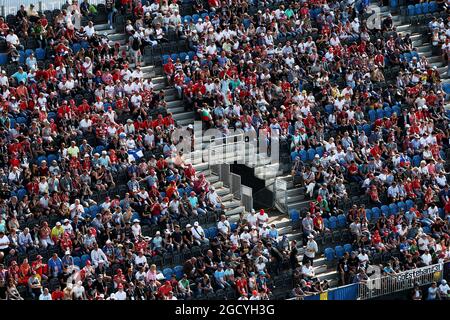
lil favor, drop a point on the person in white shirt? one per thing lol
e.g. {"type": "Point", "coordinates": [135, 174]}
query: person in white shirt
{"type": "Point", "coordinates": [444, 289]}
{"type": "Point", "coordinates": [136, 228]}
{"type": "Point", "coordinates": [251, 218]}
{"type": "Point", "coordinates": [363, 259]}
{"type": "Point", "coordinates": [120, 294]}
{"type": "Point", "coordinates": [308, 270]}
{"type": "Point", "coordinates": [224, 225]}
{"type": "Point", "coordinates": [423, 242]}
{"type": "Point", "coordinates": [78, 291]}
{"type": "Point", "coordinates": [199, 234]}
{"type": "Point", "coordinates": [263, 217]}
{"type": "Point", "coordinates": [98, 257]}
{"type": "Point", "coordinates": [426, 257]}
{"type": "Point", "coordinates": [310, 250]}
{"type": "Point", "coordinates": [45, 295]}
{"type": "Point", "coordinates": [89, 29]}
{"type": "Point", "coordinates": [245, 235]}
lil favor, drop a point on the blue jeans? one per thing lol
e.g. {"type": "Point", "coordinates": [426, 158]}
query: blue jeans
{"type": "Point", "coordinates": [111, 16]}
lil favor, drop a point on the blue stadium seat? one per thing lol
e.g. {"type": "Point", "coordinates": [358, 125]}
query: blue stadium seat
{"type": "Point", "coordinates": [329, 108]}
{"type": "Point", "coordinates": [77, 261]}
{"type": "Point", "coordinates": [397, 110]}
{"type": "Point", "coordinates": [204, 15]}
{"type": "Point", "coordinates": [418, 9]}
{"type": "Point", "coordinates": [294, 155]}
{"type": "Point", "coordinates": [388, 112]}
{"type": "Point", "coordinates": [376, 213]}
{"type": "Point", "coordinates": [333, 222]}
{"type": "Point", "coordinates": [303, 155]}
{"type": "Point", "coordinates": [94, 210]}
{"type": "Point", "coordinates": [195, 18]}
{"type": "Point", "coordinates": [21, 120]}
{"type": "Point", "coordinates": [368, 215]}
{"type": "Point", "coordinates": [51, 157]}
{"type": "Point", "coordinates": [372, 115]}
{"type": "Point", "coordinates": [22, 57]}
{"type": "Point", "coordinates": [294, 214]}
{"type": "Point", "coordinates": [348, 247]}
{"type": "Point", "coordinates": [393, 4]}
{"type": "Point", "coordinates": [168, 272]}
{"type": "Point", "coordinates": [380, 113]}
{"type": "Point", "coordinates": [416, 160]}
{"type": "Point", "coordinates": [28, 52]}
{"type": "Point", "coordinates": [84, 258]}
{"type": "Point", "coordinates": [178, 270]}
{"type": "Point", "coordinates": [425, 8]}
{"type": "Point", "coordinates": [401, 205]}
{"type": "Point", "coordinates": [21, 193]}
{"type": "Point", "coordinates": [432, 6]}
{"type": "Point", "coordinates": [3, 59]}
{"type": "Point", "coordinates": [339, 251]}
{"type": "Point", "coordinates": [40, 159]}
{"type": "Point", "coordinates": [40, 54]}
{"type": "Point", "coordinates": [311, 154]}
{"type": "Point", "coordinates": [191, 55]}
{"type": "Point", "coordinates": [76, 47]}
{"type": "Point", "coordinates": [165, 58]}
{"type": "Point", "coordinates": [183, 56]}
{"type": "Point", "coordinates": [342, 221]}
{"type": "Point", "coordinates": [409, 204]}
{"type": "Point", "coordinates": [329, 254]}
{"type": "Point", "coordinates": [411, 10]}
{"type": "Point", "coordinates": [174, 56]}
{"type": "Point", "coordinates": [393, 208]}
{"type": "Point", "coordinates": [385, 210]}
{"type": "Point", "coordinates": [320, 151]}
{"type": "Point", "coordinates": [187, 19]}
{"type": "Point", "coordinates": [326, 223]}
{"type": "Point", "coordinates": [212, 232]}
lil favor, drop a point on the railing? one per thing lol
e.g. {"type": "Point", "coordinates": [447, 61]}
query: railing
{"type": "Point", "coordinates": [280, 194]}
{"type": "Point", "coordinates": [348, 292]}
{"type": "Point", "coordinates": [384, 285]}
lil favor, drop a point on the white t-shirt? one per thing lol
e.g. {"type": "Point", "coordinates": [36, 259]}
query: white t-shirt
{"type": "Point", "coordinates": [121, 295]}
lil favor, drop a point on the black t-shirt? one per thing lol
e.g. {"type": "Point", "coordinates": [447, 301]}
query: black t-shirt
{"type": "Point", "coordinates": [343, 264]}
{"type": "Point", "coordinates": [177, 237]}
{"type": "Point", "coordinates": [188, 235]}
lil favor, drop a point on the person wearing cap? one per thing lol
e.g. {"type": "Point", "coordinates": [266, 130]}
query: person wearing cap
{"type": "Point", "coordinates": [223, 226]}
{"type": "Point", "coordinates": [188, 238]}
{"type": "Point", "coordinates": [214, 199]}
{"type": "Point", "coordinates": [199, 234]}
{"type": "Point", "coordinates": [57, 233]}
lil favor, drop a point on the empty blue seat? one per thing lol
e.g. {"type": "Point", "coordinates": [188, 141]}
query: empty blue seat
{"type": "Point", "coordinates": [329, 108]}
{"type": "Point", "coordinates": [320, 151]}
{"type": "Point", "coordinates": [187, 19]}
{"type": "Point", "coordinates": [212, 232]}
{"type": "Point", "coordinates": [339, 251]}
{"type": "Point", "coordinates": [372, 115]}
{"type": "Point", "coordinates": [311, 154]}
{"type": "Point", "coordinates": [380, 113]}
{"type": "Point", "coordinates": [411, 10]}
{"type": "Point", "coordinates": [368, 214]}
{"type": "Point", "coordinates": [418, 9]}
{"type": "Point", "coordinates": [3, 59]}
{"type": "Point", "coordinates": [409, 204]}
{"type": "Point", "coordinates": [393, 208]}
{"type": "Point", "coordinates": [401, 205]}
{"type": "Point", "coordinates": [376, 213]}
{"type": "Point", "coordinates": [329, 254]}
{"type": "Point", "coordinates": [294, 214]}
{"type": "Point", "coordinates": [76, 47]}
{"type": "Point", "coordinates": [183, 56]}
{"type": "Point", "coordinates": [294, 155]}
{"type": "Point", "coordinates": [204, 15]}
{"type": "Point", "coordinates": [342, 221]}
{"type": "Point", "coordinates": [178, 270]}
{"type": "Point", "coordinates": [40, 54]}
{"type": "Point", "coordinates": [195, 18]}
{"type": "Point", "coordinates": [99, 149]}
{"type": "Point", "coordinates": [21, 120]}
{"type": "Point", "coordinates": [348, 247]}
{"type": "Point", "coordinates": [87, 212]}
{"type": "Point", "coordinates": [233, 226]}
{"type": "Point", "coordinates": [22, 57]}
{"type": "Point", "coordinates": [77, 261]}
{"type": "Point", "coordinates": [367, 128]}
{"type": "Point", "coordinates": [52, 157]}
{"type": "Point", "coordinates": [393, 4]}
{"type": "Point", "coordinates": [333, 222]}
{"type": "Point", "coordinates": [84, 258]}
{"type": "Point", "coordinates": [168, 272]}
{"type": "Point", "coordinates": [303, 155]}
{"type": "Point", "coordinates": [94, 210]}
{"type": "Point", "coordinates": [40, 159]}
{"type": "Point", "coordinates": [432, 6]}
{"type": "Point", "coordinates": [28, 52]}
{"type": "Point", "coordinates": [388, 112]}
{"type": "Point", "coordinates": [425, 8]}
{"type": "Point", "coordinates": [416, 160]}
{"type": "Point", "coordinates": [385, 210]}
{"type": "Point", "coordinates": [165, 58]}
{"type": "Point", "coordinates": [191, 55]}
{"type": "Point", "coordinates": [21, 193]}
{"type": "Point", "coordinates": [326, 223]}
{"type": "Point", "coordinates": [85, 45]}
{"type": "Point", "coordinates": [174, 57]}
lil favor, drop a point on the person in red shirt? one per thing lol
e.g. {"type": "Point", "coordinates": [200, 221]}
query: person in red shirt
{"type": "Point", "coordinates": [169, 70]}
{"type": "Point", "coordinates": [57, 294]}
{"type": "Point", "coordinates": [40, 267]}
{"type": "Point", "coordinates": [164, 290]}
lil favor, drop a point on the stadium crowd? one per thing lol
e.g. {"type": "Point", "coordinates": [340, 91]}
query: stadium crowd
{"type": "Point", "coordinates": [89, 170]}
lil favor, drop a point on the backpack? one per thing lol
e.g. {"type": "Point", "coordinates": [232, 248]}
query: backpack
{"type": "Point", "coordinates": [136, 44]}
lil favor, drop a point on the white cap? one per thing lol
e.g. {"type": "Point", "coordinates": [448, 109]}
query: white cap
{"type": "Point", "coordinates": [196, 224]}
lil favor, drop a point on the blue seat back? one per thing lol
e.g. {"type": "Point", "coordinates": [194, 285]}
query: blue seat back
{"type": "Point", "coordinates": [348, 247]}
{"type": "Point", "coordinates": [329, 254]}
{"type": "Point", "coordinates": [311, 154]}
{"type": "Point", "coordinates": [339, 251]}
{"type": "Point", "coordinates": [333, 222]}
